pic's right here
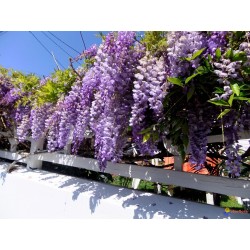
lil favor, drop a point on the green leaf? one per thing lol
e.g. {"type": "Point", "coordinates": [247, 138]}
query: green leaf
{"type": "Point", "coordinates": [208, 66]}
{"type": "Point", "coordinates": [197, 53]}
{"type": "Point", "coordinates": [219, 102]}
{"type": "Point", "coordinates": [246, 69]}
{"type": "Point", "coordinates": [155, 137]}
{"type": "Point", "coordinates": [230, 100]}
{"type": "Point", "coordinates": [191, 77]}
{"type": "Point", "coordinates": [190, 92]}
{"type": "Point", "coordinates": [223, 113]}
{"type": "Point", "coordinates": [209, 58]}
{"type": "Point", "coordinates": [236, 89]}
{"type": "Point", "coordinates": [218, 53]}
{"type": "Point", "coordinates": [146, 130]}
{"type": "Point", "coordinates": [229, 53]}
{"type": "Point", "coordinates": [146, 137]}
{"type": "Point", "coordinates": [202, 69]}
{"type": "Point", "coordinates": [245, 87]}
{"type": "Point", "coordinates": [241, 98]}
{"type": "Point", "coordinates": [218, 90]}
{"type": "Point", "coordinates": [240, 56]}
{"type": "Point", "coordinates": [184, 128]}
{"type": "Point", "coordinates": [175, 81]}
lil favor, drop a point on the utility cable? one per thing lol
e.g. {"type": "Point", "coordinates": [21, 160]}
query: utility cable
{"type": "Point", "coordinates": [59, 46]}
{"type": "Point", "coordinates": [63, 42]}
{"type": "Point", "coordinates": [83, 41]}
{"type": "Point", "coordinates": [45, 47]}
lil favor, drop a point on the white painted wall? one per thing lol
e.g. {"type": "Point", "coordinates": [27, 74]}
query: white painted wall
{"type": "Point", "coordinates": [40, 194]}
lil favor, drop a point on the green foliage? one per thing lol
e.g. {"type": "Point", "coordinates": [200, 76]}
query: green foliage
{"type": "Point", "coordinates": [223, 113]}
{"type": "Point", "coordinates": [218, 54]}
{"type": "Point", "coordinates": [155, 41]}
{"type": "Point", "coordinates": [236, 89]}
{"type": "Point", "coordinates": [236, 38]}
{"type": "Point", "coordinates": [219, 102]}
{"type": "Point", "coordinates": [26, 83]}
{"type": "Point", "coordinates": [176, 81]}
{"type": "Point", "coordinates": [195, 55]}
{"type": "Point", "coordinates": [56, 87]}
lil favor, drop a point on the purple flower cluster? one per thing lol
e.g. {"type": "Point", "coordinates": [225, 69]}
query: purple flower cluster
{"type": "Point", "coordinates": [217, 39]}
{"type": "Point", "coordinates": [199, 129]}
{"type": "Point", "coordinates": [115, 64]}
{"type": "Point", "coordinates": [232, 126]}
{"type": "Point", "coordinates": [22, 117]}
{"type": "Point", "coordinates": [38, 117]}
{"type": "Point", "coordinates": [150, 88]}
{"type": "Point", "coordinates": [226, 71]}
{"type": "Point", "coordinates": [182, 45]}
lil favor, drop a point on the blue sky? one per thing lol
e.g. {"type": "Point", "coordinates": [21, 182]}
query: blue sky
{"type": "Point", "coordinates": [21, 51]}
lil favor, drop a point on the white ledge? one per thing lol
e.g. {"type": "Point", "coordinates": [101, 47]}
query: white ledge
{"type": "Point", "coordinates": [40, 194]}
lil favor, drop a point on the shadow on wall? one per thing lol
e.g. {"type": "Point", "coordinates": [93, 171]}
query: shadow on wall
{"type": "Point", "coordinates": [145, 205]}
{"type": "Point", "coordinates": [142, 205]}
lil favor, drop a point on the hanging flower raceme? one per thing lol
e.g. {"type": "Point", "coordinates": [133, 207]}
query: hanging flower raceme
{"type": "Point", "coordinates": [217, 40]}
{"type": "Point", "coordinates": [183, 45]}
{"type": "Point", "coordinates": [232, 126]}
{"type": "Point", "coordinates": [38, 116]}
{"type": "Point", "coordinates": [117, 61]}
{"type": "Point", "coordinates": [150, 88]}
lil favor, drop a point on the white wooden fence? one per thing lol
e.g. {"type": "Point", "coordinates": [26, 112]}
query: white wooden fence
{"type": "Point", "coordinates": [209, 184]}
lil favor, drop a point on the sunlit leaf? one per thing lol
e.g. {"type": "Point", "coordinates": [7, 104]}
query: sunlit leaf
{"type": "Point", "coordinates": [175, 81]}
{"type": "Point", "coordinates": [230, 100]}
{"type": "Point", "coordinates": [218, 53]}
{"type": "Point", "coordinates": [146, 137]}
{"type": "Point", "coordinates": [223, 113]}
{"type": "Point", "coordinates": [191, 77]}
{"type": "Point", "coordinates": [236, 89]}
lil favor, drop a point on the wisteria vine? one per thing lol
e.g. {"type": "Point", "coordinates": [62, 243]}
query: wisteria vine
{"type": "Point", "coordinates": [183, 86]}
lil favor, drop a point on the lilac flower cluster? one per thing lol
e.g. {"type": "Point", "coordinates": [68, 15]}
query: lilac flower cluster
{"type": "Point", "coordinates": [150, 88]}
{"type": "Point", "coordinates": [182, 45]}
{"type": "Point", "coordinates": [226, 71]}
{"type": "Point", "coordinates": [38, 117]}
{"type": "Point", "coordinates": [217, 39]}
{"type": "Point", "coordinates": [199, 129]}
{"type": "Point", "coordinates": [22, 117]}
{"type": "Point", "coordinates": [68, 115]}
{"type": "Point", "coordinates": [116, 62]}
{"type": "Point", "coordinates": [90, 52]}
{"type": "Point", "coordinates": [245, 47]}
{"type": "Point", "coordinates": [232, 126]}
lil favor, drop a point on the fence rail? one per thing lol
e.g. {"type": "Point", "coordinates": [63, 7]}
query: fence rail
{"type": "Point", "coordinates": [210, 184]}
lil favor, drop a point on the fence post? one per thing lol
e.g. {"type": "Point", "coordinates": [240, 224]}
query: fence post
{"type": "Point", "coordinates": [135, 183]}
{"type": "Point", "coordinates": [35, 146]}
{"type": "Point", "coordinates": [13, 144]}
{"type": "Point", "coordinates": [210, 198]}
{"type": "Point", "coordinates": [67, 148]}
{"type": "Point", "coordinates": [13, 141]}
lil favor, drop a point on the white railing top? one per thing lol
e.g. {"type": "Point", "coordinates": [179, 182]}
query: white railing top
{"type": "Point", "coordinates": [214, 184]}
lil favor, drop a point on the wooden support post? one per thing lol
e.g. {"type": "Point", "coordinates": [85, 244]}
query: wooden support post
{"type": "Point", "coordinates": [239, 200]}
{"type": "Point", "coordinates": [67, 148]}
{"type": "Point", "coordinates": [35, 146]}
{"type": "Point", "coordinates": [13, 144]}
{"type": "Point", "coordinates": [210, 198]}
{"type": "Point", "coordinates": [13, 141]}
{"type": "Point", "coordinates": [157, 188]}
{"type": "Point", "coordinates": [135, 183]}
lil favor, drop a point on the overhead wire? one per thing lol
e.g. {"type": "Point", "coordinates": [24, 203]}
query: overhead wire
{"type": "Point", "coordinates": [64, 42]}
{"type": "Point", "coordinates": [83, 41]}
{"type": "Point", "coordinates": [45, 48]}
{"type": "Point", "coordinates": [59, 46]}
